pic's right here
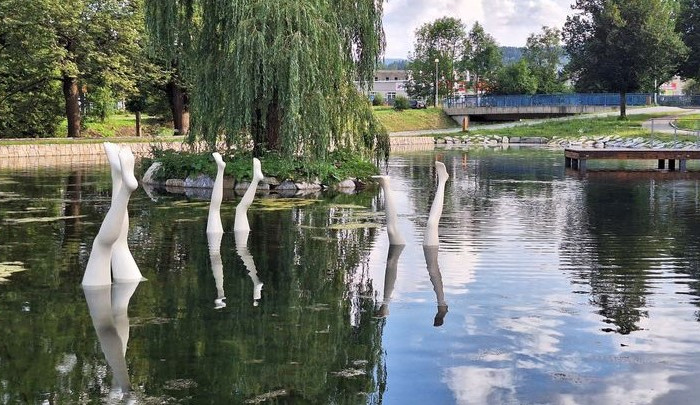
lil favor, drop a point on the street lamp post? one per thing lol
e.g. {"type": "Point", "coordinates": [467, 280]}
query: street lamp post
{"type": "Point", "coordinates": [436, 81]}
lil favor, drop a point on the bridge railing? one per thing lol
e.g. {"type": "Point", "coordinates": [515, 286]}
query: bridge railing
{"type": "Point", "coordinates": [679, 101]}
{"type": "Point", "coordinates": [553, 100]}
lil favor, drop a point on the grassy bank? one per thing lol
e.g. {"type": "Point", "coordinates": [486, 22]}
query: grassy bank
{"type": "Point", "coordinates": [118, 125]}
{"type": "Point", "coordinates": [413, 120]}
{"type": "Point", "coordinates": [578, 127]}
{"type": "Point", "coordinates": [689, 122]}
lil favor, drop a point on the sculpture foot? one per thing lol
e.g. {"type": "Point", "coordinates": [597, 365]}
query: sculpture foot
{"type": "Point", "coordinates": [257, 170]}
{"type": "Point", "coordinates": [220, 164]}
{"type": "Point", "coordinates": [126, 158]}
{"type": "Point", "coordinates": [441, 171]}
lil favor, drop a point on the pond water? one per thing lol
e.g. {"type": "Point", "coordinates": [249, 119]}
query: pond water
{"type": "Point", "coordinates": [547, 287]}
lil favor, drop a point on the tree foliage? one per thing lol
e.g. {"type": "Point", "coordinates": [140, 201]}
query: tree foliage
{"type": "Point", "coordinates": [619, 45]}
{"type": "Point", "coordinates": [443, 40]}
{"type": "Point", "coordinates": [29, 99]}
{"type": "Point", "coordinates": [543, 53]}
{"type": "Point", "coordinates": [515, 79]}
{"type": "Point", "coordinates": [87, 48]}
{"type": "Point", "coordinates": [277, 74]}
{"type": "Point", "coordinates": [482, 56]}
{"type": "Point", "coordinates": [689, 29]}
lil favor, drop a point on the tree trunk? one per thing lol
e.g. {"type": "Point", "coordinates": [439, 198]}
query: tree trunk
{"type": "Point", "coordinates": [138, 123]}
{"type": "Point", "coordinates": [70, 93]}
{"type": "Point", "coordinates": [623, 105]}
{"type": "Point", "coordinates": [179, 107]}
{"type": "Point", "coordinates": [274, 125]}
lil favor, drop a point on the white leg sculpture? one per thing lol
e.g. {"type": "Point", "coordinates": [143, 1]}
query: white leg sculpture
{"type": "Point", "coordinates": [217, 266]}
{"type": "Point", "coordinates": [392, 262]}
{"type": "Point", "coordinates": [108, 311]}
{"type": "Point", "coordinates": [431, 260]}
{"type": "Point", "coordinates": [217, 195]}
{"type": "Point", "coordinates": [242, 250]}
{"type": "Point", "coordinates": [98, 267]}
{"type": "Point", "coordinates": [124, 268]}
{"type": "Point", "coordinates": [430, 237]}
{"type": "Point", "coordinates": [241, 222]}
{"type": "Point", "coordinates": [395, 237]}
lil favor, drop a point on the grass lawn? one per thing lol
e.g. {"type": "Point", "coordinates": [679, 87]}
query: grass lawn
{"type": "Point", "coordinates": [580, 127]}
{"type": "Point", "coordinates": [412, 120]}
{"type": "Point", "coordinates": [690, 122]}
{"type": "Point", "coordinates": [117, 125]}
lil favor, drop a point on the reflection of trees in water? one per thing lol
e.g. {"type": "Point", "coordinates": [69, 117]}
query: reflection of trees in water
{"type": "Point", "coordinates": [312, 334]}
{"type": "Point", "coordinates": [637, 230]}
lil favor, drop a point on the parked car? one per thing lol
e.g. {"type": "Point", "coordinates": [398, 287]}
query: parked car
{"type": "Point", "coordinates": [417, 104]}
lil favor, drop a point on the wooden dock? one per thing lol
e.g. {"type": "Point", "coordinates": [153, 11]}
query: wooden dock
{"type": "Point", "coordinates": [666, 158]}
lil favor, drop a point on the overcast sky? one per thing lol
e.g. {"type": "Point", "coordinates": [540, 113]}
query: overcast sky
{"type": "Point", "coordinates": [509, 21]}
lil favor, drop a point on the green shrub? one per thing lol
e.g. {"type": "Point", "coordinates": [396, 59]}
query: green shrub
{"type": "Point", "coordinates": [378, 99]}
{"type": "Point", "coordinates": [338, 167]}
{"type": "Point", "coordinates": [401, 103]}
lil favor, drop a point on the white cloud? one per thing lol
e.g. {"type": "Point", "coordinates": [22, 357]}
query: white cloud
{"type": "Point", "coordinates": [509, 21]}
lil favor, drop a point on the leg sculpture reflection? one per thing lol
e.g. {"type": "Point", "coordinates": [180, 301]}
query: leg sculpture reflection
{"type": "Point", "coordinates": [217, 195]}
{"type": "Point", "coordinates": [217, 267]}
{"type": "Point", "coordinates": [431, 230]}
{"type": "Point", "coordinates": [97, 271]}
{"type": "Point", "coordinates": [395, 237]}
{"type": "Point", "coordinates": [241, 223]}
{"type": "Point", "coordinates": [392, 262]}
{"type": "Point", "coordinates": [431, 261]}
{"type": "Point", "coordinates": [108, 311]}
{"type": "Point", "coordinates": [244, 253]}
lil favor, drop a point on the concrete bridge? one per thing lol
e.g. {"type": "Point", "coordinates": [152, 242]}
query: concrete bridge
{"type": "Point", "coordinates": [514, 107]}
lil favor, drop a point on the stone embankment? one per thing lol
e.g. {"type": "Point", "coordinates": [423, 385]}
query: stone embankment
{"type": "Point", "coordinates": [269, 184]}
{"type": "Point", "coordinates": [565, 142]}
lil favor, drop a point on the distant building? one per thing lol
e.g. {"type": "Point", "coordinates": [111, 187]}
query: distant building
{"type": "Point", "coordinates": [673, 87]}
{"type": "Point", "coordinates": [389, 83]}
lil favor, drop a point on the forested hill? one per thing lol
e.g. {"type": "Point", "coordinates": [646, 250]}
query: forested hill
{"type": "Point", "coordinates": [511, 54]}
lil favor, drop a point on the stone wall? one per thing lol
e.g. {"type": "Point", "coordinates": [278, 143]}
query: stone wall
{"type": "Point", "coordinates": [31, 155]}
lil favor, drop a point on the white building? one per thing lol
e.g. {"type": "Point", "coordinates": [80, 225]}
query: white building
{"type": "Point", "coordinates": [389, 83]}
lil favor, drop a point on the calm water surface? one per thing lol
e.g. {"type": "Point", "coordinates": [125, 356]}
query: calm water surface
{"type": "Point", "coordinates": [547, 287]}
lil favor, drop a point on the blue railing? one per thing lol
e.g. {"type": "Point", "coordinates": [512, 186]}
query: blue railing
{"type": "Point", "coordinates": [576, 99]}
{"type": "Point", "coordinates": [679, 101]}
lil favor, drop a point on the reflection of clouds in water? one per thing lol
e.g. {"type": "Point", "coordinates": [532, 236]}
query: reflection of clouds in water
{"type": "Point", "coordinates": [535, 335]}
{"type": "Point", "coordinates": [628, 388]}
{"type": "Point", "coordinates": [477, 385]}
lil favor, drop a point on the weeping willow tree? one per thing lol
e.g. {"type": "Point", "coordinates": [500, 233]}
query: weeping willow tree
{"type": "Point", "coordinates": [276, 75]}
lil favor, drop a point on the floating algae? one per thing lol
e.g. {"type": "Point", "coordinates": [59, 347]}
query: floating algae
{"type": "Point", "coordinates": [9, 268]}
{"type": "Point", "coordinates": [353, 225]}
{"type": "Point", "coordinates": [278, 204]}
{"type": "Point", "coordinates": [15, 221]}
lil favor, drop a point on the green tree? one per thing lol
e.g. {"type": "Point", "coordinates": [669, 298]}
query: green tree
{"type": "Point", "coordinates": [619, 45]}
{"type": "Point", "coordinates": [689, 29]}
{"type": "Point", "coordinates": [29, 99]}
{"type": "Point", "coordinates": [482, 56]}
{"type": "Point", "coordinates": [100, 41]}
{"type": "Point", "coordinates": [439, 40]}
{"type": "Point", "coordinates": [543, 54]}
{"type": "Point", "coordinates": [515, 79]}
{"type": "Point", "coordinates": [275, 74]}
